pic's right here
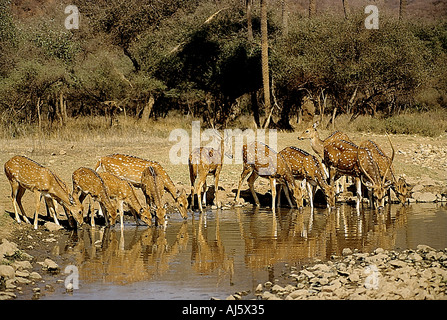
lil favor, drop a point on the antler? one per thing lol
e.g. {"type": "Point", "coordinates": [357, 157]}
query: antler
{"type": "Point", "coordinates": [391, 161]}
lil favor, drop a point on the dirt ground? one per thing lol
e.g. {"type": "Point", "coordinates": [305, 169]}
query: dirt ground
{"type": "Point", "coordinates": [417, 158]}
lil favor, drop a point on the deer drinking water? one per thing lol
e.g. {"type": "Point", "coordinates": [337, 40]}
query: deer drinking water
{"type": "Point", "coordinates": [123, 192]}
{"type": "Point", "coordinates": [25, 174]}
{"type": "Point", "coordinates": [88, 182]}
{"type": "Point", "coordinates": [131, 168]}
{"type": "Point", "coordinates": [308, 168]}
{"type": "Point", "coordinates": [260, 160]}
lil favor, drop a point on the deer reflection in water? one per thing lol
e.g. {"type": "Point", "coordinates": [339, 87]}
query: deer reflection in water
{"type": "Point", "coordinates": [231, 242]}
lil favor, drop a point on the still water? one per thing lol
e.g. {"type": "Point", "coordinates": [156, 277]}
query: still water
{"type": "Point", "coordinates": [225, 251]}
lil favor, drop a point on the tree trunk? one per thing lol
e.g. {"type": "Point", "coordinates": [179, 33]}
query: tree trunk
{"type": "Point", "coordinates": [402, 9]}
{"type": "Point", "coordinates": [345, 8]}
{"type": "Point", "coordinates": [248, 5]}
{"type": "Point", "coordinates": [148, 108]}
{"type": "Point", "coordinates": [265, 62]}
{"type": "Point", "coordinates": [312, 8]}
{"type": "Point", "coordinates": [135, 63]}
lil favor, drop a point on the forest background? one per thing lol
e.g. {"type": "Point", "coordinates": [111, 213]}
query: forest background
{"type": "Point", "coordinates": [131, 62]}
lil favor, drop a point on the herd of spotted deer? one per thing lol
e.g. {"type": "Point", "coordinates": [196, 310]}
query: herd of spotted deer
{"type": "Point", "coordinates": [115, 184]}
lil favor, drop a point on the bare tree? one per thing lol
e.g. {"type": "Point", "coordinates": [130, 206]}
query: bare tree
{"type": "Point", "coordinates": [248, 7]}
{"type": "Point", "coordinates": [265, 62]}
{"type": "Point", "coordinates": [402, 9]}
{"type": "Point", "coordinates": [345, 8]}
{"type": "Point", "coordinates": [312, 8]}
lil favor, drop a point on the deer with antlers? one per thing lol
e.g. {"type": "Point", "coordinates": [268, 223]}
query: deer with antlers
{"type": "Point", "coordinates": [131, 168]}
{"type": "Point", "coordinates": [123, 192]}
{"type": "Point", "coordinates": [399, 186]}
{"type": "Point", "coordinates": [260, 160]}
{"type": "Point", "coordinates": [370, 168]}
{"type": "Point", "coordinates": [308, 168]}
{"type": "Point", "coordinates": [152, 185]}
{"type": "Point", "coordinates": [88, 182]}
{"type": "Point", "coordinates": [204, 162]}
{"type": "Point", "coordinates": [25, 174]}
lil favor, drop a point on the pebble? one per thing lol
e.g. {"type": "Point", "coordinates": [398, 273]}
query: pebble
{"type": "Point", "coordinates": [410, 274]}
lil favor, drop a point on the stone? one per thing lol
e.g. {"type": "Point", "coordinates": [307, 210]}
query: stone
{"type": "Point", "coordinates": [7, 248]}
{"type": "Point", "coordinates": [7, 272]}
{"type": "Point", "coordinates": [35, 276]}
{"type": "Point", "coordinates": [23, 274]}
{"type": "Point", "coordinates": [259, 288]}
{"type": "Point", "coordinates": [298, 293]}
{"type": "Point", "coordinates": [277, 288]}
{"type": "Point", "coordinates": [5, 295]}
{"type": "Point", "coordinates": [307, 273]}
{"type": "Point", "coordinates": [397, 263]}
{"type": "Point", "coordinates": [424, 248]}
{"type": "Point", "coordinates": [51, 226]}
{"type": "Point", "coordinates": [50, 265]}
{"type": "Point", "coordinates": [346, 252]}
{"type": "Point", "coordinates": [22, 265]}
{"type": "Point", "coordinates": [424, 196]}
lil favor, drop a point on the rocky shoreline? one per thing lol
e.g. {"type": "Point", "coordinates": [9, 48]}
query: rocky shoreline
{"type": "Point", "coordinates": [419, 274]}
{"type": "Point", "coordinates": [26, 276]}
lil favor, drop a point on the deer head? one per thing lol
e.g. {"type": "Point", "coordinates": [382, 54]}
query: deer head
{"type": "Point", "coordinates": [310, 132]}
{"type": "Point", "coordinates": [378, 184]}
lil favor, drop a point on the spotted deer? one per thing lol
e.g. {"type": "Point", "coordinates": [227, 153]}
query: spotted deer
{"type": "Point", "coordinates": [152, 185]}
{"type": "Point", "coordinates": [319, 145]}
{"type": "Point", "coordinates": [26, 174]}
{"type": "Point", "coordinates": [260, 160]}
{"type": "Point", "coordinates": [88, 182]}
{"type": "Point", "coordinates": [308, 168]}
{"type": "Point", "coordinates": [376, 180]}
{"type": "Point", "coordinates": [131, 168]}
{"type": "Point", "coordinates": [341, 158]}
{"type": "Point", "coordinates": [203, 162]}
{"type": "Point", "coordinates": [399, 186]}
{"type": "Point", "coordinates": [123, 192]}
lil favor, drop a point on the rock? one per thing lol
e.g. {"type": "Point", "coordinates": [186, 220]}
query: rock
{"type": "Point", "coordinates": [259, 288]}
{"type": "Point", "coordinates": [298, 293]}
{"type": "Point", "coordinates": [397, 263]}
{"type": "Point", "coordinates": [35, 276]}
{"type": "Point", "coordinates": [4, 295]}
{"type": "Point", "coordinates": [424, 196]}
{"type": "Point", "coordinates": [22, 265]}
{"type": "Point", "coordinates": [346, 252]}
{"type": "Point", "coordinates": [23, 274]}
{"type": "Point", "coordinates": [51, 226]}
{"type": "Point", "coordinates": [7, 272]}
{"type": "Point", "coordinates": [8, 249]}
{"type": "Point", "coordinates": [307, 273]}
{"type": "Point", "coordinates": [277, 288]}
{"type": "Point", "coordinates": [424, 248]}
{"type": "Point", "coordinates": [50, 265]}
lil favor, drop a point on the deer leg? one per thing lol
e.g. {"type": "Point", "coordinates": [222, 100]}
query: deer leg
{"type": "Point", "coordinates": [244, 174]}
{"type": "Point", "coordinates": [310, 192]}
{"type": "Point", "coordinates": [216, 187]}
{"type": "Point", "coordinates": [251, 185]}
{"type": "Point", "coordinates": [273, 188]}
{"type": "Point", "coordinates": [204, 192]}
{"type": "Point", "coordinates": [358, 187]}
{"type": "Point", "coordinates": [36, 213]}
{"type": "Point", "coordinates": [121, 203]}
{"type": "Point", "coordinates": [17, 194]}
{"type": "Point", "coordinates": [51, 205]}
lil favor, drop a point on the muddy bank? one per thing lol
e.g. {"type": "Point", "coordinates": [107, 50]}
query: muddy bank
{"type": "Point", "coordinates": [419, 274]}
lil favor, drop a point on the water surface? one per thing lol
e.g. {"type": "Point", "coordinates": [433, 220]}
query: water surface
{"type": "Point", "coordinates": [225, 251]}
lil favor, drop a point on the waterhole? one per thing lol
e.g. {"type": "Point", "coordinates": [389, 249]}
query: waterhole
{"type": "Point", "coordinates": [220, 252]}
